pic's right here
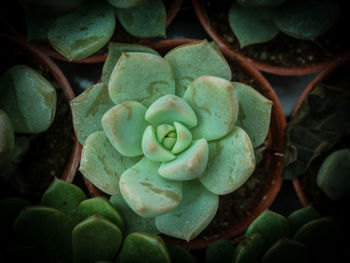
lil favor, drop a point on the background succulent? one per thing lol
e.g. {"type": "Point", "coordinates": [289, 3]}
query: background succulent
{"type": "Point", "coordinates": [78, 29]}
{"type": "Point", "coordinates": [192, 149]}
{"type": "Point", "coordinates": [256, 21]}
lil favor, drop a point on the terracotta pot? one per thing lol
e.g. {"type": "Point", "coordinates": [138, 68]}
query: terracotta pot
{"type": "Point", "coordinates": [332, 67]}
{"type": "Point", "coordinates": [42, 59]}
{"type": "Point", "coordinates": [95, 58]}
{"type": "Point", "coordinates": [274, 152]}
{"type": "Point", "coordinates": [199, 7]}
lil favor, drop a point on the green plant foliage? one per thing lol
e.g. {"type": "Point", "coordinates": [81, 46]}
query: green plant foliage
{"type": "Point", "coordinates": [300, 217]}
{"type": "Point", "coordinates": [178, 254]}
{"type": "Point", "coordinates": [333, 177]}
{"type": "Point", "coordinates": [143, 247]}
{"type": "Point", "coordinates": [95, 238]}
{"type": "Point", "coordinates": [7, 138]}
{"type": "Point", "coordinates": [250, 250]}
{"type": "Point", "coordinates": [219, 251]}
{"type": "Point", "coordinates": [28, 99]}
{"type": "Point", "coordinates": [147, 19]}
{"type": "Point", "coordinates": [63, 196]}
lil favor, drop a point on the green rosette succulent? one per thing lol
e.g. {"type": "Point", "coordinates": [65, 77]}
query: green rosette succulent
{"type": "Point", "coordinates": [168, 135]}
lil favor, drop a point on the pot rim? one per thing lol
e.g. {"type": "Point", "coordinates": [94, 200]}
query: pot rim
{"type": "Point", "coordinates": [275, 150]}
{"type": "Point", "coordinates": [71, 167]}
{"type": "Point", "coordinates": [278, 70]}
{"type": "Point", "coordinates": [327, 71]}
{"type": "Point", "coordinates": [95, 58]}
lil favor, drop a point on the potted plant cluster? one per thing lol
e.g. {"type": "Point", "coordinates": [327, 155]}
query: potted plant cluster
{"type": "Point", "coordinates": [79, 30]}
{"type": "Point", "coordinates": [281, 37]}
{"type": "Point", "coordinates": [37, 138]}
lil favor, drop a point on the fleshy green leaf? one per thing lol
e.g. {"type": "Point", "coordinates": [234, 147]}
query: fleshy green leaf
{"type": "Point", "coordinates": [169, 109]}
{"type": "Point", "coordinates": [183, 138]}
{"type": "Point", "coordinates": [307, 19]}
{"type": "Point", "coordinates": [321, 121]}
{"type": "Point", "coordinates": [219, 251]}
{"type": "Point", "coordinates": [250, 250]}
{"type": "Point", "coordinates": [7, 137]}
{"type": "Point", "coordinates": [102, 164]}
{"type": "Point", "coordinates": [143, 247]}
{"type": "Point", "coordinates": [95, 239]}
{"type": "Point", "coordinates": [115, 50]}
{"type": "Point", "coordinates": [88, 109]}
{"type": "Point", "coordinates": [286, 251]}
{"type": "Point", "coordinates": [270, 225]}
{"type": "Point", "coordinates": [333, 177]}
{"type": "Point", "coordinates": [124, 3]}
{"type": "Point", "coordinates": [178, 254]}
{"type": "Point", "coordinates": [102, 207]}
{"type": "Point", "coordinates": [230, 164]}
{"type": "Point", "coordinates": [146, 192]}
{"type": "Point", "coordinates": [63, 196]}
{"type": "Point", "coordinates": [124, 125]}
{"type": "Point", "coordinates": [191, 61]}
{"type": "Point", "coordinates": [260, 3]}
{"type": "Point", "coordinates": [163, 130]}
{"type": "Point", "coordinates": [300, 217]}
{"type": "Point", "coordinates": [254, 113]}
{"type": "Point", "coordinates": [28, 99]}
{"type": "Point", "coordinates": [152, 149]}
{"type": "Point", "coordinates": [154, 78]}
{"type": "Point", "coordinates": [196, 210]}
{"type": "Point", "coordinates": [189, 164]}
{"type": "Point", "coordinates": [133, 222]}
{"type": "Point", "coordinates": [252, 25]}
{"type": "Point", "coordinates": [80, 34]}
{"type": "Point", "coordinates": [47, 229]}
{"type": "Point", "coordinates": [214, 100]}
{"type": "Point", "coordinates": [147, 19]}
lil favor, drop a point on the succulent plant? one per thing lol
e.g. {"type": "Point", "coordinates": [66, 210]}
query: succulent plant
{"type": "Point", "coordinates": [27, 106]}
{"type": "Point", "coordinates": [303, 236]}
{"type": "Point", "coordinates": [257, 21]}
{"type": "Point", "coordinates": [78, 29]}
{"type": "Point", "coordinates": [71, 228]}
{"type": "Point", "coordinates": [162, 135]}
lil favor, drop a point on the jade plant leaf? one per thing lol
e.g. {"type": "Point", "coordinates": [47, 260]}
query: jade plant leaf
{"type": "Point", "coordinates": [169, 109]}
{"type": "Point", "coordinates": [219, 251]}
{"type": "Point", "coordinates": [115, 50]}
{"type": "Point", "coordinates": [143, 247]}
{"type": "Point", "coordinates": [214, 100]}
{"type": "Point", "coordinates": [252, 25]}
{"type": "Point", "coordinates": [300, 217]}
{"type": "Point", "coordinates": [47, 229]}
{"type": "Point", "coordinates": [270, 225]}
{"type": "Point", "coordinates": [333, 177]}
{"type": "Point", "coordinates": [307, 19]}
{"type": "Point", "coordinates": [250, 250]}
{"type": "Point", "coordinates": [154, 78]}
{"type": "Point", "coordinates": [102, 164]}
{"type": "Point", "coordinates": [28, 99]}
{"type": "Point", "coordinates": [63, 196]}
{"type": "Point", "coordinates": [147, 19]}
{"type": "Point", "coordinates": [194, 60]}
{"type": "Point", "coordinates": [260, 3]}
{"type": "Point", "coordinates": [134, 222]}
{"type": "Point", "coordinates": [254, 113]}
{"type": "Point", "coordinates": [178, 254]}
{"type": "Point", "coordinates": [102, 207]}
{"type": "Point", "coordinates": [80, 34]}
{"type": "Point", "coordinates": [189, 164]}
{"type": "Point", "coordinates": [152, 148]}
{"type": "Point", "coordinates": [125, 3]}
{"type": "Point", "coordinates": [287, 251]}
{"type": "Point", "coordinates": [197, 208]}
{"type": "Point", "coordinates": [148, 193]}
{"type": "Point", "coordinates": [95, 239]}
{"type": "Point", "coordinates": [7, 137]}
{"type": "Point", "coordinates": [317, 126]}
{"type": "Point", "coordinates": [124, 125]}
{"type": "Point", "coordinates": [88, 109]}
{"type": "Point", "coordinates": [230, 164]}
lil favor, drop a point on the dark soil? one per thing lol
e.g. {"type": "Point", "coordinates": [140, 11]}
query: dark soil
{"type": "Point", "coordinates": [284, 50]}
{"type": "Point", "coordinates": [48, 152]}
